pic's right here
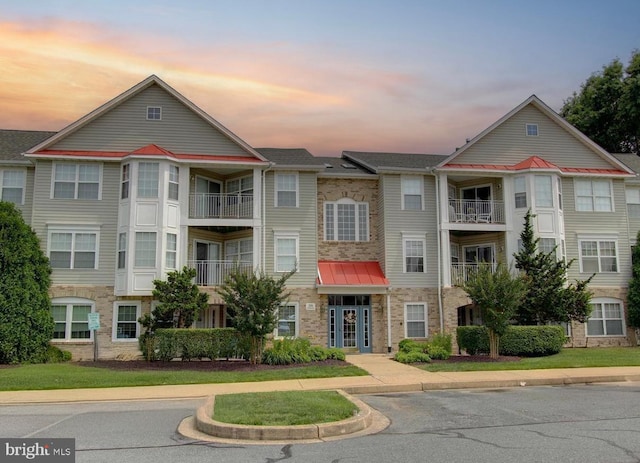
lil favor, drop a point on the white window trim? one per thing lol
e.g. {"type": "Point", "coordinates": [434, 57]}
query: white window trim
{"type": "Point", "coordinates": [139, 183]}
{"type": "Point", "coordinates": [70, 302]}
{"type": "Point", "coordinates": [171, 182]}
{"type": "Point", "coordinates": [240, 180]}
{"type": "Point", "coordinates": [414, 237]}
{"type": "Point", "coordinates": [402, 186]}
{"type": "Point", "coordinates": [277, 235]}
{"type": "Point", "coordinates": [276, 190]}
{"type": "Point", "coordinates": [237, 257]}
{"type": "Point", "coordinates": [599, 238]}
{"type": "Point", "coordinates": [24, 182]}
{"type": "Point", "coordinates": [153, 119]}
{"type": "Point", "coordinates": [608, 300]}
{"type": "Point", "coordinates": [75, 229]}
{"type": "Point", "coordinates": [114, 328]}
{"type": "Point", "coordinates": [575, 194]}
{"type": "Point", "coordinates": [76, 182]}
{"type": "Point", "coordinates": [135, 249]}
{"type": "Point", "coordinates": [630, 192]}
{"type": "Point", "coordinates": [531, 124]}
{"type": "Point", "coordinates": [334, 205]}
{"type": "Point", "coordinates": [125, 180]}
{"type": "Point", "coordinates": [425, 320]}
{"type": "Point", "coordinates": [122, 250]}
{"type": "Point", "coordinates": [296, 305]}
{"type": "Point", "coordinates": [521, 192]}
{"type": "Point", "coordinates": [174, 251]}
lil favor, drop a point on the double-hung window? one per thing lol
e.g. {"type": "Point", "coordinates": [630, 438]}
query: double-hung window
{"type": "Point", "coordinates": [76, 181]}
{"type": "Point", "coordinates": [544, 191]}
{"type": "Point", "coordinates": [286, 251]}
{"type": "Point", "coordinates": [148, 173]}
{"type": "Point", "coordinates": [607, 318]}
{"type": "Point", "coordinates": [346, 220]}
{"type": "Point", "coordinates": [12, 186]}
{"type": "Point", "coordinates": [172, 250]}
{"type": "Point", "coordinates": [239, 250]}
{"type": "Point", "coordinates": [415, 315]}
{"type": "Point", "coordinates": [633, 202]}
{"type": "Point", "coordinates": [598, 255]}
{"type": "Point", "coordinates": [547, 245]}
{"type": "Point", "coordinates": [174, 174]}
{"type": "Point", "coordinates": [593, 195]}
{"type": "Point", "coordinates": [286, 190]}
{"type": "Point", "coordinates": [73, 248]}
{"type": "Point", "coordinates": [520, 191]}
{"type": "Point", "coordinates": [414, 254]}
{"type": "Point", "coordinates": [124, 181]}
{"type": "Point", "coordinates": [71, 318]}
{"type": "Point", "coordinates": [145, 254]}
{"type": "Point", "coordinates": [287, 320]}
{"type": "Point", "coordinates": [412, 188]}
{"type": "Point", "coordinates": [125, 321]}
{"type": "Point", "coordinates": [122, 250]}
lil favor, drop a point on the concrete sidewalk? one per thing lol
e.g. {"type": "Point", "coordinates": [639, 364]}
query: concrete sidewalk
{"type": "Point", "coordinates": [385, 375]}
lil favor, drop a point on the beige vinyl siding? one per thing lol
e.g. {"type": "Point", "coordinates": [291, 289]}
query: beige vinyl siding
{"type": "Point", "coordinates": [595, 223]}
{"type": "Point", "coordinates": [411, 222]}
{"type": "Point", "coordinates": [508, 144]}
{"type": "Point", "coordinates": [126, 128]}
{"type": "Point", "coordinates": [27, 208]}
{"type": "Point", "coordinates": [301, 220]}
{"type": "Point", "coordinates": [382, 226]}
{"type": "Point", "coordinates": [102, 213]}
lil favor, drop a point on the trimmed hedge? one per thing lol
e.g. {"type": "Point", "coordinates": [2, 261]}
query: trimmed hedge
{"type": "Point", "coordinates": [167, 344]}
{"type": "Point", "coordinates": [521, 341]}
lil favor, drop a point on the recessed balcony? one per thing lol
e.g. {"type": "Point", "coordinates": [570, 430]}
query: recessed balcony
{"type": "Point", "coordinates": [476, 211]}
{"type": "Point", "coordinates": [220, 206]}
{"type": "Point", "coordinates": [215, 272]}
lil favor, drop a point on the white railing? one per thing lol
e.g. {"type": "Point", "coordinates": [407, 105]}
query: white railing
{"type": "Point", "coordinates": [476, 211]}
{"type": "Point", "coordinates": [220, 206]}
{"type": "Point", "coordinates": [214, 272]}
{"type": "Point", "coordinates": [460, 272]}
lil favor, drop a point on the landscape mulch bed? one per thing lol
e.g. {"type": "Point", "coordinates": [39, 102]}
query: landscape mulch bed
{"type": "Point", "coordinates": [197, 365]}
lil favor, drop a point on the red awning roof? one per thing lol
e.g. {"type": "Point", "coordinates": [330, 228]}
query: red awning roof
{"type": "Point", "coordinates": [342, 273]}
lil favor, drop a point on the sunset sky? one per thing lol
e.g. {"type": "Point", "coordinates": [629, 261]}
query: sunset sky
{"type": "Point", "coordinates": [326, 75]}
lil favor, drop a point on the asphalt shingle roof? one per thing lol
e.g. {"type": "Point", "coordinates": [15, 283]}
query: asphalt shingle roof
{"type": "Point", "coordinates": [15, 142]}
{"type": "Point", "coordinates": [631, 160]}
{"type": "Point", "coordinates": [289, 156]}
{"type": "Point", "coordinates": [387, 161]}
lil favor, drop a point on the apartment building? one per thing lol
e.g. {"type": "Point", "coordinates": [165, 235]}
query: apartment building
{"type": "Point", "coordinates": [148, 183]}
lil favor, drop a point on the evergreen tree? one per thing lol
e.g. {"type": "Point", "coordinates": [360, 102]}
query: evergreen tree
{"type": "Point", "coordinates": [26, 323]}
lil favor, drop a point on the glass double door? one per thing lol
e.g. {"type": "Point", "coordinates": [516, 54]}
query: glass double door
{"type": "Point", "coordinates": [350, 322]}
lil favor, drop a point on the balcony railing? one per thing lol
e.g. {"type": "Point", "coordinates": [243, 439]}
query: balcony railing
{"type": "Point", "coordinates": [220, 206]}
{"type": "Point", "coordinates": [214, 272]}
{"type": "Point", "coordinates": [476, 211]}
{"type": "Point", "coordinates": [460, 272]}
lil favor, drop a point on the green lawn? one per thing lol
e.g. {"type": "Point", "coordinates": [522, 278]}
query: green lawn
{"type": "Point", "coordinates": [282, 408]}
{"type": "Point", "coordinates": [567, 358]}
{"type": "Point", "coordinates": [72, 376]}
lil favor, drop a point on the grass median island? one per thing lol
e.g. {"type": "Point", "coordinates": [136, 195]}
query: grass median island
{"type": "Point", "coordinates": [283, 408]}
{"type": "Point", "coordinates": [73, 376]}
{"type": "Point", "coordinates": [567, 358]}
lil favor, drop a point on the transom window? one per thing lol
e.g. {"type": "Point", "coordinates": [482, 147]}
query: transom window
{"type": "Point", "coordinates": [520, 187]}
{"type": "Point", "coordinates": [73, 249]}
{"type": "Point", "coordinates": [346, 220]}
{"type": "Point", "coordinates": [598, 256]}
{"type": "Point", "coordinates": [286, 190]}
{"type": "Point", "coordinates": [154, 113]}
{"type": "Point", "coordinates": [287, 320]}
{"type": "Point", "coordinates": [414, 254]}
{"type": "Point", "coordinates": [148, 173]}
{"type": "Point", "coordinates": [76, 181]}
{"type": "Point", "coordinates": [71, 318]}
{"type": "Point", "coordinates": [12, 186]}
{"type": "Point", "coordinates": [593, 195]}
{"type": "Point", "coordinates": [607, 318]}
{"type": "Point", "coordinates": [125, 321]}
{"type": "Point", "coordinates": [415, 315]}
{"type": "Point", "coordinates": [412, 188]}
{"type": "Point", "coordinates": [145, 255]}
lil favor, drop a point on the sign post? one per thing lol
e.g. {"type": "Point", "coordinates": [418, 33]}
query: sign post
{"type": "Point", "coordinates": [94, 325]}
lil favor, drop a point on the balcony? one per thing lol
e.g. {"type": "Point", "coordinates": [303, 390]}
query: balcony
{"type": "Point", "coordinates": [460, 272]}
{"type": "Point", "coordinates": [476, 211]}
{"type": "Point", "coordinates": [214, 272]}
{"type": "Point", "coordinates": [220, 206]}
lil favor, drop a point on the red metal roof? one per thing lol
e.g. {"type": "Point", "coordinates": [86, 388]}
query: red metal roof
{"type": "Point", "coordinates": [153, 149]}
{"type": "Point", "coordinates": [343, 273]}
{"type": "Point", "coordinates": [536, 162]}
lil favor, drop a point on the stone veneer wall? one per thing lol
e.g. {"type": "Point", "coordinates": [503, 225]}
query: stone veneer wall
{"type": "Point", "coordinates": [360, 190]}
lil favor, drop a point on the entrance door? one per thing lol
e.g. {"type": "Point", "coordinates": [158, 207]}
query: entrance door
{"type": "Point", "coordinates": [350, 322]}
{"type": "Point", "coordinates": [207, 263]}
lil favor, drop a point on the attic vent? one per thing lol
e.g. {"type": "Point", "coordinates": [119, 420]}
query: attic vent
{"type": "Point", "coordinates": [328, 166]}
{"type": "Point", "coordinates": [348, 166]}
{"type": "Point", "coordinates": [154, 113]}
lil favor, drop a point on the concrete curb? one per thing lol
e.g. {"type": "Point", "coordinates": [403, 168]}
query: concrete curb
{"type": "Point", "coordinates": [205, 424]}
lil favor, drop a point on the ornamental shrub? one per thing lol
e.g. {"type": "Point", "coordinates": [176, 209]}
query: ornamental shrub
{"type": "Point", "coordinates": [287, 351]}
{"type": "Point", "coordinates": [412, 357]}
{"type": "Point", "coordinates": [167, 344]}
{"type": "Point", "coordinates": [521, 341]}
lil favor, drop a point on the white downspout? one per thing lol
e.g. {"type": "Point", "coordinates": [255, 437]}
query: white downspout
{"type": "Point", "coordinates": [440, 308]}
{"type": "Point", "coordinates": [389, 319]}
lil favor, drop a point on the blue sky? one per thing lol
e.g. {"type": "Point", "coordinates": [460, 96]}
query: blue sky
{"type": "Point", "coordinates": [406, 76]}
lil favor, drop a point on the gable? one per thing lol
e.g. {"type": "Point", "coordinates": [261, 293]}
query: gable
{"type": "Point", "coordinates": [125, 128]}
{"type": "Point", "coordinates": [508, 144]}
